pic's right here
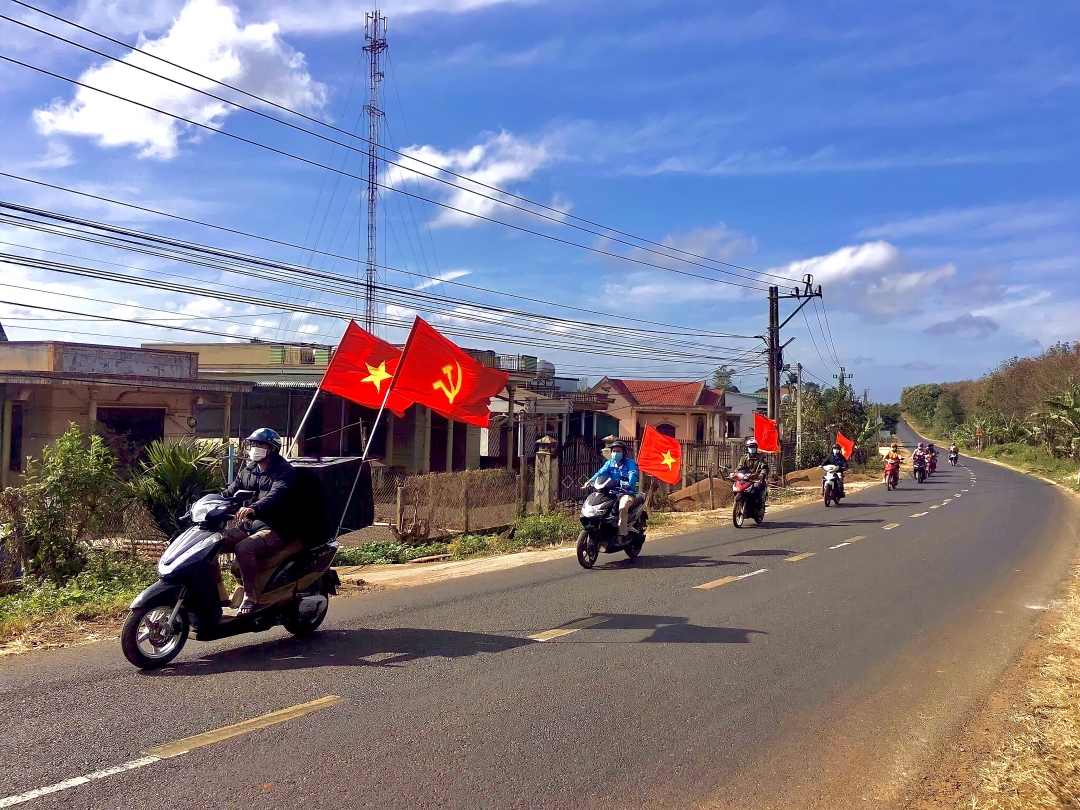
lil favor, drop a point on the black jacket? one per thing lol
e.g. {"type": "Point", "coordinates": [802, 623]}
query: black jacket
{"type": "Point", "coordinates": [275, 493]}
{"type": "Point", "coordinates": [840, 462]}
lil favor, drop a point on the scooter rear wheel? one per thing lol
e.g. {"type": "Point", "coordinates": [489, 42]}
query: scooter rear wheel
{"type": "Point", "coordinates": [634, 549]}
{"type": "Point", "coordinates": [146, 640]}
{"type": "Point", "coordinates": [587, 552]}
{"type": "Point", "coordinates": [300, 626]}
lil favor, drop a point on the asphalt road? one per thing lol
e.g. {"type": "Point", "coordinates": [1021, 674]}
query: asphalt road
{"type": "Point", "coordinates": [829, 681]}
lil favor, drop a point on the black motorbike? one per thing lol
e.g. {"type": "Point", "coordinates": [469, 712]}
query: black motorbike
{"type": "Point", "coordinates": [918, 470]}
{"type": "Point", "coordinates": [749, 498]}
{"type": "Point", "coordinates": [600, 524]}
{"type": "Point", "coordinates": [293, 589]}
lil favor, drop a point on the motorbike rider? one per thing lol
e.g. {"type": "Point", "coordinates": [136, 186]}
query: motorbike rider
{"type": "Point", "coordinates": [837, 457]}
{"type": "Point", "coordinates": [624, 472]}
{"type": "Point", "coordinates": [931, 457]}
{"type": "Point", "coordinates": [919, 456]}
{"type": "Point", "coordinates": [754, 463]}
{"type": "Point", "coordinates": [270, 522]}
{"type": "Point", "coordinates": [954, 451]}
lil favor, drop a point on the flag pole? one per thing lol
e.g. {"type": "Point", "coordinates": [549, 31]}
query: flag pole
{"type": "Point", "coordinates": [299, 428]}
{"type": "Point", "coordinates": [374, 429]}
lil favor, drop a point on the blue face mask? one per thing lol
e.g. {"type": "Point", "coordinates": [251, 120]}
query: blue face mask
{"type": "Point", "coordinates": [616, 456]}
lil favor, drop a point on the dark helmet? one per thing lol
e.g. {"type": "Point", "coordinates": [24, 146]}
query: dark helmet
{"type": "Point", "coordinates": [266, 436]}
{"type": "Point", "coordinates": [836, 448]}
{"type": "Point", "coordinates": [618, 445]}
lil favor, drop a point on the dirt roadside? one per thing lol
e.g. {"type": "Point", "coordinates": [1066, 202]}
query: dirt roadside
{"type": "Point", "coordinates": [61, 632]}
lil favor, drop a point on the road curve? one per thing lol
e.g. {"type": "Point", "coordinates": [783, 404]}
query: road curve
{"type": "Point", "coordinates": [830, 677]}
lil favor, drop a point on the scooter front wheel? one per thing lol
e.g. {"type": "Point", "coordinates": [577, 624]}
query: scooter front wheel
{"type": "Point", "coordinates": [148, 640]}
{"type": "Point", "coordinates": [738, 513]}
{"type": "Point", "coordinates": [587, 551]}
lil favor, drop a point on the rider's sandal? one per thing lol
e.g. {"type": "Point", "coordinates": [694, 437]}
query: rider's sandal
{"type": "Point", "coordinates": [246, 607]}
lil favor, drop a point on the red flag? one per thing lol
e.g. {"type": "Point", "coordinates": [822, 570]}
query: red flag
{"type": "Point", "coordinates": [767, 434]}
{"type": "Point", "coordinates": [660, 456]}
{"type": "Point", "coordinates": [436, 373]}
{"type": "Point", "coordinates": [846, 444]}
{"type": "Point", "coordinates": [361, 370]}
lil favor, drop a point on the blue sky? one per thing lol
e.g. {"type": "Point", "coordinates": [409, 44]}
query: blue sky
{"type": "Point", "coordinates": [919, 159]}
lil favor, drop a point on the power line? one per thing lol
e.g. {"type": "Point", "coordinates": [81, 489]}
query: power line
{"type": "Point", "coordinates": [561, 216]}
{"type": "Point", "coordinates": [346, 258]}
{"type": "Point", "coordinates": [405, 192]}
{"type": "Point", "coordinates": [833, 342]}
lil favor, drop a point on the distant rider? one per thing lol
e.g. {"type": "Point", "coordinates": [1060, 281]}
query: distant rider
{"type": "Point", "coordinates": [931, 457]}
{"type": "Point", "coordinates": [954, 452]}
{"type": "Point", "coordinates": [894, 453]}
{"type": "Point", "coordinates": [269, 523]}
{"type": "Point", "coordinates": [837, 457]}
{"type": "Point", "coordinates": [918, 458]}
{"type": "Point", "coordinates": [624, 473]}
{"type": "Point", "coordinates": [754, 463]}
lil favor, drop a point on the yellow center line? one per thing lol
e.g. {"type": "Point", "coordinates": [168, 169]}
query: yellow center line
{"type": "Point", "coordinates": [919, 514]}
{"type": "Point", "coordinates": [716, 583]}
{"type": "Point", "coordinates": [798, 557]}
{"type": "Point", "coordinates": [935, 506]}
{"type": "Point", "coordinates": [856, 538]}
{"type": "Point", "coordinates": [890, 526]}
{"type": "Point", "coordinates": [567, 629]}
{"type": "Point", "coordinates": [179, 747]}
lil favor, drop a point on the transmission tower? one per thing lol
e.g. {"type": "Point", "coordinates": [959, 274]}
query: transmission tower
{"type": "Point", "coordinates": [375, 34]}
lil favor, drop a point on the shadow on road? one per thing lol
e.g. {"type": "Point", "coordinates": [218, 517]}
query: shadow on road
{"type": "Point", "coordinates": [667, 561]}
{"type": "Point", "coordinates": [765, 552]}
{"type": "Point", "coordinates": [669, 630]}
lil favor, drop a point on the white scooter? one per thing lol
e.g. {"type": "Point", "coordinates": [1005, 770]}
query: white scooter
{"type": "Point", "coordinates": [831, 483]}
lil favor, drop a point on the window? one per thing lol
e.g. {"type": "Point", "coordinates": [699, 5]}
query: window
{"type": "Point", "coordinates": [129, 430]}
{"type": "Point", "coordinates": [666, 430]}
{"type": "Point", "coordinates": [700, 429]}
{"type": "Point", "coordinates": [16, 464]}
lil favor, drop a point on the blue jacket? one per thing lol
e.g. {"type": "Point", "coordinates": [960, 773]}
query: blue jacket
{"type": "Point", "coordinates": [625, 473]}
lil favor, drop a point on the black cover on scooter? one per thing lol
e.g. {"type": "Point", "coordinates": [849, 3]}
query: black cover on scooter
{"type": "Point", "coordinates": [325, 484]}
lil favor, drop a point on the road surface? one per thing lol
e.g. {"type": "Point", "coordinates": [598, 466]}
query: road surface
{"type": "Point", "coordinates": [829, 673]}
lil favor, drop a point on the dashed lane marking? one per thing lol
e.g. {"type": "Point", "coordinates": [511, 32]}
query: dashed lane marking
{"type": "Point", "coordinates": [856, 538]}
{"type": "Point", "coordinates": [890, 526]}
{"type": "Point", "coordinates": [838, 545]}
{"type": "Point", "coordinates": [919, 514]}
{"type": "Point", "coordinates": [178, 748]}
{"type": "Point", "coordinates": [935, 506]}
{"type": "Point", "coordinates": [716, 583]}
{"type": "Point", "coordinates": [947, 500]}
{"type": "Point", "coordinates": [804, 556]}
{"type": "Point", "coordinates": [567, 629]}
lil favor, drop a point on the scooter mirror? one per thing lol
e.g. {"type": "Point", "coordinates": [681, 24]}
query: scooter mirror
{"type": "Point", "coordinates": [243, 495]}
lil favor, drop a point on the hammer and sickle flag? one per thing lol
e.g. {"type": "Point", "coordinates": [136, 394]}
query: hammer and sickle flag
{"type": "Point", "coordinates": [361, 370]}
{"type": "Point", "coordinates": [660, 456]}
{"type": "Point", "coordinates": [436, 373]}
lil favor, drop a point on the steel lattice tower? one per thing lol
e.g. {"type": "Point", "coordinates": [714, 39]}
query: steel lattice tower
{"type": "Point", "coordinates": [375, 34]}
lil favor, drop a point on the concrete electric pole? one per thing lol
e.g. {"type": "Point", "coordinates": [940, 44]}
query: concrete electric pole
{"type": "Point", "coordinates": [375, 34]}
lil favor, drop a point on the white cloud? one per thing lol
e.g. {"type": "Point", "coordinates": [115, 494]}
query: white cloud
{"type": "Point", "coordinates": [205, 37]}
{"type": "Point", "coordinates": [335, 16]}
{"type": "Point", "coordinates": [498, 161]}
{"type": "Point", "coordinates": [872, 278]}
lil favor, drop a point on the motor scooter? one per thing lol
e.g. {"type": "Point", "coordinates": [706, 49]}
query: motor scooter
{"type": "Point", "coordinates": [600, 523]}
{"type": "Point", "coordinates": [830, 484]}
{"type": "Point", "coordinates": [931, 464]}
{"type": "Point", "coordinates": [293, 589]}
{"type": "Point", "coordinates": [918, 469]}
{"type": "Point", "coordinates": [892, 473]}
{"type": "Point", "coordinates": [750, 497]}
{"type": "Point", "coordinates": [954, 455]}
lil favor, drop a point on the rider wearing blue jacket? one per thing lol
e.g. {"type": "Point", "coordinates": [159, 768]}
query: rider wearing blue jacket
{"type": "Point", "coordinates": [624, 472]}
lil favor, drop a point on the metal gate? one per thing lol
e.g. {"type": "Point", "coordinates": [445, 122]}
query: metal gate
{"type": "Point", "coordinates": [578, 460]}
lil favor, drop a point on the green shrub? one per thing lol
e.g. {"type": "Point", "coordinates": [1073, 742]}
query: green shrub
{"type": "Point", "coordinates": [545, 530]}
{"type": "Point", "coordinates": [173, 475]}
{"type": "Point", "coordinates": [386, 553]}
{"type": "Point", "coordinates": [65, 499]}
{"type": "Point", "coordinates": [109, 581]}
{"type": "Point", "coordinates": [469, 545]}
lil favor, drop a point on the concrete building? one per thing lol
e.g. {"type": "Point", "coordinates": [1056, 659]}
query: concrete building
{"type": "Point", "coordinates": [688, 411]}
{"type": "Point", "coordinates": [742, 407]}
{"type": "Point", "coordinates": [133, 396]}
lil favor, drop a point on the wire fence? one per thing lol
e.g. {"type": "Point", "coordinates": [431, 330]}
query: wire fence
{"type": "Point", "coordinates": [440, 504]}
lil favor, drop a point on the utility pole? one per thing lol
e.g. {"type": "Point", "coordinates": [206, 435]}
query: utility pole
{"type": "Point", "coordinates": [375, 34]}
{"type": "Point", "coordinates": [798, 413]}
{"type": "Point", "coordinates": [842, 377]}
{"type": "Point", "coordinates": [805, 294]}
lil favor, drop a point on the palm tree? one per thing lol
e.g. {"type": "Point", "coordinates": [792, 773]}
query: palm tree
{"type": "Point", "coordinates": [174, 474]}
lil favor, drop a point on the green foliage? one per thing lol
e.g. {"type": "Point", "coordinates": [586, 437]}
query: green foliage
{"type": "Point", "coordinates": [174, 474]}
{"type": "Point", "coordinates": [948, 413]}
{"type": "Point", "coordinates": [108, 582]}
{"type": "Point", "coordinates": [546, 530]}
{"type": "Point", "coordinates": [722, 379]}
{"type": "Point", "coordinates": [921, 401]}
{"type": "Point", "coordinates": [386, 553]}
{"type": "Point", "coordinates": [826, 411]}
{"type": "Point", "coordinates": [66, 496]}
{"type": "Point", "coordinates": [890, 416]}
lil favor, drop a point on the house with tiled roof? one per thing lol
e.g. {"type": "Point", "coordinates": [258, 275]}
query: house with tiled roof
{"type": "Point", "coordinates": [688, 411]}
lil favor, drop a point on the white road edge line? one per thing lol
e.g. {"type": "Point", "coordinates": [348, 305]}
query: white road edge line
{"type": "Point", "coordinates": [30, 795]}
{"type": "Point", "coordinates": [752, 573]}
{"type": "Point", "coordinates": [841, 545]}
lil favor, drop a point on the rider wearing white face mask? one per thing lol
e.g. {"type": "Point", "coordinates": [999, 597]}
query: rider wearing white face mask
{"type": "Point", "coordinates": [624, 471]}
{"type": "Point", "coordinates": [271, 521]}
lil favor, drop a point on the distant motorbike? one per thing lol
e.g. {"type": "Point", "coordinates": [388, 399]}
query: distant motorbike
{"type": "Point", "coordinates": [750, 496]}
{"type": "Point", "coordinates": [918, 469]}
{"type": "Point", "coordinates": [600, 524]}
{"type": "Point", "coordinates": [953, 457]}
{"type": "Point", "coordinates": [294, 588]}
{"type": "Point", "coordinates": [931, 464]}
{"type": "Point", "coordinates": [830, 484]}
{"type": "Point", "coordinates": [892, 474]}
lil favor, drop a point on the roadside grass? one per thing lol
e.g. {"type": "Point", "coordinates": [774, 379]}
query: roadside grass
{"type": "Point", "coordinates": [103, 590]}
{"type": "Point", "coordinates": [1037, 766]}
{"type": "Point", "coordinates": [534, 531]}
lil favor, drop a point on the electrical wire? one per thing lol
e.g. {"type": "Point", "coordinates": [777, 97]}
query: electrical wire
{"type": "Point", "coordinates": [561, 215]}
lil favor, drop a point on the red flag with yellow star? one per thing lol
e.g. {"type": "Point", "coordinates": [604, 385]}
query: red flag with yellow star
{"type": "Point", "coordinates": [660, 456]}
{"type": "Point", "coordinates": [436, 373]}
{"type": "Point", "coordinates": [361, 371]}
